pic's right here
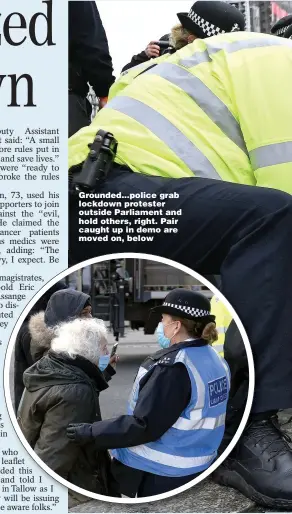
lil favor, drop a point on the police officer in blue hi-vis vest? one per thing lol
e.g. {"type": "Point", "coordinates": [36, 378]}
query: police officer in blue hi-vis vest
{"type": "Point", "coordinates": [176, 413]}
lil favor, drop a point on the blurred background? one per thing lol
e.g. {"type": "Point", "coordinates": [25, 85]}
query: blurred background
{"type": "Point", "coordinates": [123, 290]}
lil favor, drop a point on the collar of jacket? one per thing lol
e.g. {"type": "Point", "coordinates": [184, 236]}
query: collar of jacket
{"type": "Point", "coordinates": [179, 346]}
{"type": "Point", "coordinates": [92, 371]}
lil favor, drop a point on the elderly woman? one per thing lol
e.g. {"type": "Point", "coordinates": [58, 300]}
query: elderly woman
{"type": "Point", "coordinates": [63, 387]}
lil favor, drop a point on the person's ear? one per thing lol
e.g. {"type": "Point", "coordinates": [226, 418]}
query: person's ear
{"type": "Point", "coordinates": [191, 38]}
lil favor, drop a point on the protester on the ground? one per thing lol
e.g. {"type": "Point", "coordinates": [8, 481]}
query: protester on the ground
{"type": "Point", "coordinates": [89, 62]}
{"type": "Point", "coordinates": [63, 387]}
{"type": "Point", "coordinates": [176, 411]}
{"type": "Point", "coordinates": [22, 355]}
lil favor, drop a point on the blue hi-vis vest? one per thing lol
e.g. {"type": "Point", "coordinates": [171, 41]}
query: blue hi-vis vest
{"type": "Point", "coordinates": [191, 444]}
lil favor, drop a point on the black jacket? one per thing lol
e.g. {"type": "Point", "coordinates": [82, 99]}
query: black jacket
{"type": "Point", "coordinates": [136, 59]}
{"type": "Point", "coordinates": [143, 57]}
{"type": "Point", "coordinates": [89, 57]}
{"type": "Point", "coordinates": [59, 391]}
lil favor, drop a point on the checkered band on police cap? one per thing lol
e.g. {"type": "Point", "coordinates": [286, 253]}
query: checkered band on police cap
{"type": "Point", "coordinates": [192, 311]}
{"type": "Point", "coordinates": [283, 27]}
{"type": "Point", "coordinates": [207, 27]}
{"type": "Point", "coordinates": [281, 31]}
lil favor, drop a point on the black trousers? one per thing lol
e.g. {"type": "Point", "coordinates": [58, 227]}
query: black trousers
{"type": "Point", "coordinates": [244, 234]}
{"type": "Point", "coordinates": [155, 484]}
{"type": "Point", "coordinates": [79, 113]}
{"type": "Point", "coordinates": [134, 482]}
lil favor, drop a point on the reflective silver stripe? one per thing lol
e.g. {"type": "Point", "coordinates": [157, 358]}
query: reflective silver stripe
{"type": "Point", "coordinates": [236, 46]}
{"type": "Point", "coordinates": [224, 364]}
{"type": "Point", "coordinates": [195, 59]}
{"type": "Point", "coordinates": [231, 47]}
{"type": "Point", "coordinates": [168, 133]}
{"type": "Point", "coordinates": [201, 389]}
{"type": "Point", "coordinates": [141, 372]}
{"type": "Point", "coordinates": [271, 155]}
{"type": "Point", "coordinates": [219, 348]}
{"type": "Point", "coordinates": [221, 330]}
{"type": "Point", "coordinates": [212, 106]}
{"type": "Point", "coordinates": [205, 423]}
{"type": "Point", "coordinates": [174, 461]}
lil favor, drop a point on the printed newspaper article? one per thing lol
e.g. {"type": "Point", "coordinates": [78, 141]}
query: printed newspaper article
{"type": "Point", "coordinates": [145, 249]}
{"type": "Point", "coordinates": [33, 200]}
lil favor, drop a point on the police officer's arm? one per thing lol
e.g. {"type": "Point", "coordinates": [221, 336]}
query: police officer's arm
{"type": "Point", "coordinates": [87, 33]}
{"type": "Point", "coordinates": [162, 399]}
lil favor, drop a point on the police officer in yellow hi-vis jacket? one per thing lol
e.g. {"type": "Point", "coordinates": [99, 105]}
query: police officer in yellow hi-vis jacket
{"type": "Point", "coordinates": [201, 128]}
{"type": "Point", "coordinates": [223, 320]}
{"type": "Point", "coordinates": [203, 20]}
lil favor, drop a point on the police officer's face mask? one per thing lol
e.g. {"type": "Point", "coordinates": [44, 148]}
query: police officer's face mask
{"type": "Point", "coordinates": [162, 340]}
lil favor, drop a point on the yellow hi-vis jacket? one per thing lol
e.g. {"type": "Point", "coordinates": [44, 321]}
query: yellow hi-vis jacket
{"type": "Point", "coordinates": [218, 108]}
{"type": "Point", "coordinates": [223, 320]}
{"type": "Point", "coordinates": [128, 76]}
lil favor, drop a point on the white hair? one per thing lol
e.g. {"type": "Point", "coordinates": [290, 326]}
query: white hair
{"type": "Point", "coordinates": [82, 336]}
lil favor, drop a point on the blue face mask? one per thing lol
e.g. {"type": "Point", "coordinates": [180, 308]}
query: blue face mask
{"type": "Point", "coordinates": [103, 362]}
{"type": "Point", "coordinates": [162, 340]}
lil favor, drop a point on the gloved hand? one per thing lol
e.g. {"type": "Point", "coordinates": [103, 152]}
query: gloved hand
{"type": "Point", "coordinates": [80, 432]}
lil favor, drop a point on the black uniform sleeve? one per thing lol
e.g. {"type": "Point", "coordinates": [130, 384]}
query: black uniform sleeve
{"type": "Point", "coordinates": [87, 34]}
{"type": "Point", "coordinates": [136, 59]}
{"type": "Point", "coordinates": [161, 400]}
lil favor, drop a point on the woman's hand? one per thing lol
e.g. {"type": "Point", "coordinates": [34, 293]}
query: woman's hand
{"type": "Point", "coordinates": [79, 432]}
{"type": "Point", "coordinates": [113, 361]}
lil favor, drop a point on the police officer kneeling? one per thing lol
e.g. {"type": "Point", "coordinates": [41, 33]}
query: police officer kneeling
{"type": "Point", "coordinates": [176, 412]}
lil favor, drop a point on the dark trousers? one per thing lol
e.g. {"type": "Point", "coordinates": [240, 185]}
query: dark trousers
{"type": "Point", "coordinates": [134, 482]}
{"type": "Point", "coordinates": [244, 234]}
{"type": "Point", "coordinates": [155, 484]}
{"type": "Point", "coordinates": [79, 113]}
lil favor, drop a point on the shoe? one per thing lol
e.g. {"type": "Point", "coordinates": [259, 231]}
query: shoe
{"type": "Point", "coordinates": [260, 466]}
